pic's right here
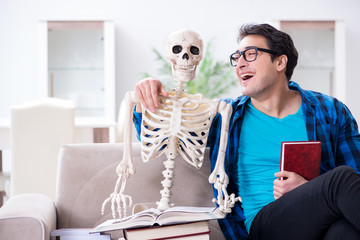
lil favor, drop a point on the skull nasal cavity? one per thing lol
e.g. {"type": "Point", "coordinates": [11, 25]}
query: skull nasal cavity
{"type": "Point", "coordinates": [185, 56]}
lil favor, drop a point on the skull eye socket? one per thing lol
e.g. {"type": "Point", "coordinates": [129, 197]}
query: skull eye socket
{"type": "Point", "coordinates": [177, 49]}
{"type": "Point", "coordinates": [194, 50]}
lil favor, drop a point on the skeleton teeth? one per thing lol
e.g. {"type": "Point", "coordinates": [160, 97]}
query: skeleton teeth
{"type": "Point", "coordinates": [185, 68]}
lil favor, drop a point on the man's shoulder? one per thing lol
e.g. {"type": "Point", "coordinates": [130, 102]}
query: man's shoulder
{"type": "Point", "coordinates": [237, 101]}
{"type": "Point", "coordinates": [326, 107]}
{"type": "Point", "coordinates": [314, 97]}
{"type": "Point", "coordinates": [321, 99]}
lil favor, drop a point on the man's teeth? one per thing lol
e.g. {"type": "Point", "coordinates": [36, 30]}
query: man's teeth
{"type": "Point", "coordinates": [185, 68]}
{"type": "Point", "coordinates": [246, 76]}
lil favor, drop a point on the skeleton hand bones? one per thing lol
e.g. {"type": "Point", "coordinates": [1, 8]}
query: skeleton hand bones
{"type": "Point", "coordinates": [220, 181]}
{"type": "Point", "coordinates": [120, 201]}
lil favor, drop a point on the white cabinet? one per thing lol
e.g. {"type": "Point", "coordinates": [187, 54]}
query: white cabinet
{"type": "Point", "coordinates": [77, 62]}
{"type": "Point", "coordinates": [76, 68]}
{"type": "Point", "coordinates": [321, 47]}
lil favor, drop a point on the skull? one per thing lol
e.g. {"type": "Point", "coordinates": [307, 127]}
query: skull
{"type": "Point", "coordinates": [184, 51]}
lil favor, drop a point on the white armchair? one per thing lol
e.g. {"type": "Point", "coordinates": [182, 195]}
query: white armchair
{"type": "Point", "coordinates": [38, 130]}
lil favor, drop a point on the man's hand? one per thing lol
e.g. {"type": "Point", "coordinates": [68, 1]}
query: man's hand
{"type": "Point", "coordinates": [290, 181]}
{"type": "Point", "coordinates": [148, 91]}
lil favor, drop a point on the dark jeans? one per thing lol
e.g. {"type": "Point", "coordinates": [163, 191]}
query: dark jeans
{"type": "Point", "coordinates": [328, 207]}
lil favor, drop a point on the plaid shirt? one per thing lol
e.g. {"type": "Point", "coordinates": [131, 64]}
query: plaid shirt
{"type": "Point", "coordinates": [327, 120]}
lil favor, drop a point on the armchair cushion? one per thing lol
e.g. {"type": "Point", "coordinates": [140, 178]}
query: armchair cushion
{"type": "Point", "coordinates": [33, 214]}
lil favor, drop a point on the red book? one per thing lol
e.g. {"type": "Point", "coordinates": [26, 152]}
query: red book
{"type": "Point", "coordinates": [301, 157]}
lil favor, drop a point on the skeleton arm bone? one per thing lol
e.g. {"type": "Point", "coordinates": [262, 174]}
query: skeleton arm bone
{"type": "Point", "coordinates": [219, 177]}
{"type": "Point", "coordinates": [126, 167]}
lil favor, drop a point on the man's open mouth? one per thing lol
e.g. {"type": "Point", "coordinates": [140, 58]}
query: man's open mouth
{"type": "Point", "coordinates": [246, 76]}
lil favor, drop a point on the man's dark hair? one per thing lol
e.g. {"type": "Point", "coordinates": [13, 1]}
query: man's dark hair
{"type": "Point", "coordinates": [277, 40]}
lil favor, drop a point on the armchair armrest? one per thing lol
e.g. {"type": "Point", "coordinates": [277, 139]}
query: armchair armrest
{"type": "Point", "coordinates": [27, 216]}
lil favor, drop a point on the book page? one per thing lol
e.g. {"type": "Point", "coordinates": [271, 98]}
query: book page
{"type": "Point", "coordinates": [141, 219]}
{"type": "Point", "coordinates": [188, 214]}
{"type": "Point", "coordinates": [146, 215]}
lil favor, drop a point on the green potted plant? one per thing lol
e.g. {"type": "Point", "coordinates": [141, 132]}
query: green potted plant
{"type": "Point", "coordinates": [213, 78]}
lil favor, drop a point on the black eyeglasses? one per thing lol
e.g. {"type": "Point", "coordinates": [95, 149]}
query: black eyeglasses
{"type": "Point", "coordinates": [249, 55]}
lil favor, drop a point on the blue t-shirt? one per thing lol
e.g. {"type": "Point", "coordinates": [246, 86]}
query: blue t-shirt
{"type": "Point", "coordinates": [259, 156]}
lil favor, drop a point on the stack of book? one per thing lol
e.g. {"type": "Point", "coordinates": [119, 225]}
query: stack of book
{"type": "Point", "coordinates": [173, 223]}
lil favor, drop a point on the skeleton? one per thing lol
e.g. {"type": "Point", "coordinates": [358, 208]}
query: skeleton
{"type": "Point", "coordinates": [180, 125]}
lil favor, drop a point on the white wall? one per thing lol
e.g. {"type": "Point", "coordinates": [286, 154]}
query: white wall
{"type": "Point", "coordinates": [143, 24]}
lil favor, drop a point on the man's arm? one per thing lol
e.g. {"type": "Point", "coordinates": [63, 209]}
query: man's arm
{"type": "Point", "coordinates": [137, 117]}
{"type": "Point", "coordinates": [148, 91]}
{"type": "Point", "coordinates": [348, 140]}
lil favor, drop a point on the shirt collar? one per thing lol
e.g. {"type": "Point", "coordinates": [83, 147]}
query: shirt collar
{"type": "Point", "coordinates": [304, 96]}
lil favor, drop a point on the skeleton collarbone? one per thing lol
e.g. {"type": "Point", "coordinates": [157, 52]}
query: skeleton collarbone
{"type": "Point", "coordinates": [179, 126]}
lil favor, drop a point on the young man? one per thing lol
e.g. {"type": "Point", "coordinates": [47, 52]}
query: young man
{"type": "Point", "coordinates": [273, 109]}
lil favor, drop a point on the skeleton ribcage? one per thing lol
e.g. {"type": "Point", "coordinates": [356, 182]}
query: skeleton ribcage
{"type": "Point", "coordinates": [179, 126]}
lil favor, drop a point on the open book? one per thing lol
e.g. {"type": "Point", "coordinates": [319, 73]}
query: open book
{"type": "Point", "coordinates": [153, 217]}
{"type": "Point", "coordinates": [301, 157]}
